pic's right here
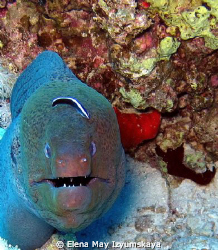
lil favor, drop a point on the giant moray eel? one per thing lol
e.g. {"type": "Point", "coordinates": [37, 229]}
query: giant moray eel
{"type": "Point", "coordinates": [61, 159]}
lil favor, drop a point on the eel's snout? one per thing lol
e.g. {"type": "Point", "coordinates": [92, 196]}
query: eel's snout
{"type": "Point", "coordinates": [70, 181]}
{"type": "Point", "coordinates": [68, 164]}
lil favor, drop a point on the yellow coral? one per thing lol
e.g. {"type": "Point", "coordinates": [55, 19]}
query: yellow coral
{"type": "Point", "coordinates": [191, 17]}
{"type": "Point", "coordinates": [167, 47]}
{"type": "Point", "coordinates": [134, 97]}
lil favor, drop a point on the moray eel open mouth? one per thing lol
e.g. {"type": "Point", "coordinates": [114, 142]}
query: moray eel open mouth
{"type": "Point", "coordinates": [71, 181]}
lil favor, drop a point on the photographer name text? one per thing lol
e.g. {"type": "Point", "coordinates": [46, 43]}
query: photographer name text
{"type": "Point", "coordinates": [114, 244]}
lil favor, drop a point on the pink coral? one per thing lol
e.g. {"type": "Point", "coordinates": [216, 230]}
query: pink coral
{"type": "Point", "coordinates": [214, 81]}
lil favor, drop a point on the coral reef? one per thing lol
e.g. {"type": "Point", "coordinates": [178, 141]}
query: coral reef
{"type": "Point", "coordinates": [191, 18]}
{"type": "Point", "coordinates": [141, 55]}
{"type": "Point", "coordinates": [121, 19]}
{"type": "Point", "coordinates": [132, 66]}
{"type": "Point", "coordinates": [138, 54]}
{"type": "Point", "coordinates": [5, 246]}
{"type": "Point", "coordinates": [7, 81]}
{"type": "Point", "coordinates": [206, 131]}
{"type": "Point", "coordinates": [173, 160]}
{"type": "Point", "coordinates": [5, 114]}
{"type": "Point", "coordinates": [51, 243]}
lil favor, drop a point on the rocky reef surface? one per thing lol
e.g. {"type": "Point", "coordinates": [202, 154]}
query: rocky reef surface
{"type": "Point", "coordinates": [157, 62]}
{"type": "Point", "coordinates": [153, 210]}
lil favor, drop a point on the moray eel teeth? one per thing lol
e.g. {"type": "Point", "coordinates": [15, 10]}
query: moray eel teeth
{"type": "Point", "coordinates": [73, 102]}
{"type": "Point", "coordinates": [70, 181]}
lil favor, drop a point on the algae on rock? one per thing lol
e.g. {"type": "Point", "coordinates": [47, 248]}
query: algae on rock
{"type": "Point", "coordinates": [192, 18]}
{"type": "Point", "coordinates": [134, 97]}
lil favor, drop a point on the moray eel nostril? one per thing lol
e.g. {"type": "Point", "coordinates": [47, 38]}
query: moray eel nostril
{"type": "Point", "coordinates": [62, 164]}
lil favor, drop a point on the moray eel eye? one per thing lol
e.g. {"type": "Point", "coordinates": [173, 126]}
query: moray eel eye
{"type": "Point", "coordinates": [92, 148]}
{"type": "Point", "coordinates": [47, 151]}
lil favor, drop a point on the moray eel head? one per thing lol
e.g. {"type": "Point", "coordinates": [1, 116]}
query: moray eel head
{"type": "Point", "coordinates": [73, 163]}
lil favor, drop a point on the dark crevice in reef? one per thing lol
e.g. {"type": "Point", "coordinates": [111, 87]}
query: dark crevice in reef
{"type": "Point", "coordinates": [176, 167]}
{"type": "Point", "coordinates": [206, 6]}
{"type": "Point", "coordinates": [182, 94]}
{"type": "Point", "coordinates": [42, 2]}
{"type": "Point", "coordinates": [171, 114]}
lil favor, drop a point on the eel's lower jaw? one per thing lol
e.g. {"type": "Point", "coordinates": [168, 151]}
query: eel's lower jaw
{"type": "Point", "coordinates": [70, 181]}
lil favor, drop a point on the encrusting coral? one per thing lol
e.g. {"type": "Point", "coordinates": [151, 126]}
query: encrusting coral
{"type": "Point", "coordinates": [141, 55]}
{"type": "Point", "coordinates": [7, 81]}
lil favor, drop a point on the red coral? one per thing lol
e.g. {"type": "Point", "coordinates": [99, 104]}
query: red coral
{"type": "Point", "coordinates": [145, 4]}
{"type": "Point", "coordinates": [3, 12]}
{"type": "Point", "coordinates": [135, 128]}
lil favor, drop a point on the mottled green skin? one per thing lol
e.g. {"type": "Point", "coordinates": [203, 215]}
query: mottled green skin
{"type": "Point", "coordinates": [38, 206]}
{"type": "Point", "coordinates": [66, 130]}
